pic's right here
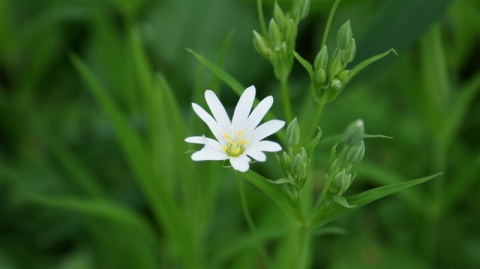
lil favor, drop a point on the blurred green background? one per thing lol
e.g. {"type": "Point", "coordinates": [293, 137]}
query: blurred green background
{"type": "Point", "coordinates": [95, 179]}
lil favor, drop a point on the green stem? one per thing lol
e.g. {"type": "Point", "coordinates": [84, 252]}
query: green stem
{"type": "Point", "coordinates": [286, 100]}
{"type": "Point", "coordinates": [261, 18]}
{"type": "Point", "coordinates": [251, 225]}
{"type": "Point", "coordinates": [329, 22]}
{"type": "Point", "coordinates": [304, 247]}
{"type": "Point", "coordinates": [315, 120]}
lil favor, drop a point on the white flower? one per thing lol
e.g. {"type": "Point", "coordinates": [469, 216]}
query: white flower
{"type": "Point", "coordinates": [240, 139]}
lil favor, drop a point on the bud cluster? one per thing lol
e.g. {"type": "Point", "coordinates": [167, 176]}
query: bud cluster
{"type": "Point", "coordinates": [295, 161]}
{"type": "Point", "coordinates": [330, 77]}
{"type": "Point", "coordinates": [339, 171]}
{"type": "Point", "coordinates": [279, 43]}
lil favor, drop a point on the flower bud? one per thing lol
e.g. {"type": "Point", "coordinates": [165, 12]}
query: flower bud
{"type": "Point", "coordinates": [349, 53]}
{"type": "Point", "coordinates": [304, 155]}
{"type": "Point", "coordinates": [290, 33]}
{"type": "Point", "coordinates": [293, 133]}
{"type": "Point", "coordinates": [340, 183]}
{"type": "Point", "coordinates": [299, 167]}
{"type": "Point", "coordinates": [278, 15]}
{"type": "Point", "coordinates": [336, 66]}
{"type": "Point", "coordinates": [344, 35]}
{"type": "Point", "coordinates": [320, 77]}
{"type": "Point", "coordinates": [261, 45]}
{"type": "Point", "coordinates": [355, 154]}
{"type": "Point", "coordinates": [321, 61]}
{"type": "Point", "coordinates": [336, 84]}
{"type": "Point", "coordinates": [286, 163]}
{"type": "Point", "coordinates": [343, 75]}
{"type": "Point", "coordinates": [274, 33]}
{"type": "Point", "coordinates": [354, 133]}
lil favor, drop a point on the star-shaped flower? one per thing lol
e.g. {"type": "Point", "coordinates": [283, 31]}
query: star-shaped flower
{"type": "Point", "coordinates": [240, 139]}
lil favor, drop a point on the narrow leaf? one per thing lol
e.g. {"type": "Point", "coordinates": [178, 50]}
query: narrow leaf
{"type": "Point", "coordinates": [305, 64]}
{"type": "Point", "coordinates": [102, 209]}
{"type": "Point", "coordinates": [335, 211]}
{"type": "Point", "coordinates": [236, 86]}
{"type": "Point", "coordinates": [368, 62]}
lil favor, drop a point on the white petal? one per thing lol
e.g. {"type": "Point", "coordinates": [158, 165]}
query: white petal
{"type": "Point", "coordinates": [211, 123]}
{"type": "Point", "coordinates": [264, 145]}
{"type": "Point", "coordinates": [209, 155]}
{"type": "Point", "coordinates": [257, 155]}
{"type": "Point", "coordinates": [205, 141]}
{"type": "Point", "coordinates": [258, 113]}
{"type": "Point", "coordinates": [266, 129]}
{"type": "Point", "coordinates": [240, 163]}
{"type": "Point", "coordinates": [218, 111]}
{"type": "Point", "coordinates": [243, 108]}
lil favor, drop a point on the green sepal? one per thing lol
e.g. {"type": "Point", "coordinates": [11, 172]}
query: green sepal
{"type": "Point", "coordinates": [283, 181]}
{"type": "Point", "coordinates": [342, 201]}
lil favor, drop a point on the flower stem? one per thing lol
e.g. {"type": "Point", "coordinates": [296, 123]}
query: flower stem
{"type": "Point", "coordinates": [261, 18]}
{"type": "Point", "coordinates": [251, 225]}
{"type": "Point", "coordinates": [286, 100]}
{"type": "Point", "coordinates": [315, 120]}
{"type": "Point", "coordinates": [304, 249]}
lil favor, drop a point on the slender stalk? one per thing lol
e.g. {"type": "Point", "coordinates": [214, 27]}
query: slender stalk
{"type": "Point", "coordinates": [261, 18]}
{"type": "Point", "coordinates": [329, 22]}
{"type": "Point", "coordinates": [286, 100]}
{"type": "Point", "coordinates": [304, 250]}
{"type": "Point", "coordinates": [315, 121]}
{"type": "Point", "coordinates": [251, 225]}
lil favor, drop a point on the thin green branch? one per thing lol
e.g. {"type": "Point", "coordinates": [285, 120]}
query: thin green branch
{"type": "Point", "coordinates": [329, 21]}
{"type": "Point", "coordinates": [261, 18]}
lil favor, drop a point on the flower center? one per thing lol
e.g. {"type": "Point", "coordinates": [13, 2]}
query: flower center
{"type": "Point", "coordinates": [235, 147]}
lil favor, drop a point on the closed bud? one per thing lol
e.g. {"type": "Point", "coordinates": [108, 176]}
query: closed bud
{"type": "Point", "coordinates": [274, 32]}
{"type": "Point", "coordinates": [278, 15]}
{"type": "Point", "coordinates": [343, 75]}
{"type": "Point", "coordinates": [354, 133]}
{"type": "Point", "coordinates": [336, 84]}
{"type": "Point", "coordinates": [261, 45]}
{"type": "Point", "coordinates": [349, 53]}
{"type": "Point", "coordinates": [293, 133]}
{"type": "Point", "coordinates": [290, 33]}
{"type": "Point", "coordinates": [299, 168]}
{"type": "Point", "coordinates": [340, 183]}
{"type": "Point", "coordinates": [304, 155]}
{"type": "Point", "coordinates": [320, 77]}
{"type": "Point", "coordinates": [286, 163]}
{"type": "Point", "coordinates": [321, 61]}
{"type": "Point", "coordinates": [336, 66]}
{"type": "Point", "coordinates": [344, 35]}
{"type": "Point", "coordinates": [355, 154]}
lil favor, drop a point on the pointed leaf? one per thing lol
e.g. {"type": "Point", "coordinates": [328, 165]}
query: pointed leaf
{"type": "Point", "coordinates": [103, 209]}
{"type": "Point", "coordinates": [236, 86]}
{"type": "Point", "coordinates": [368, 62]}
{"type": "Point", "coordinates": [305, 64]}
{"type": "Point", "coordinates": [335, 211]}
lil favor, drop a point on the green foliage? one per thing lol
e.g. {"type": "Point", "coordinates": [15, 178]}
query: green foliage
{"type": "Point", "coordinates": [95, 106]}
